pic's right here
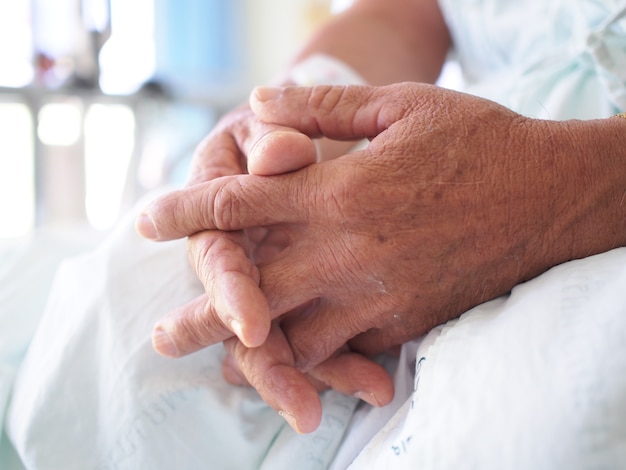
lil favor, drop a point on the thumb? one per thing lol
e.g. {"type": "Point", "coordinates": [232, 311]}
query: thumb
{"type": "Point", "coordinates": [280, 150]}
{"type": "Point", "coordinates": [338, 112]}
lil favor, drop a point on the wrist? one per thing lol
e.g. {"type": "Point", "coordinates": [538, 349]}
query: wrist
{"type": "Point", "coordinates": [587, 194]}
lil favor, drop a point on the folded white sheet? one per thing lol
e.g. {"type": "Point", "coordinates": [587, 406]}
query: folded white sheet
{"type": "Point", "coordinates": [27, 267]}
{"type": "Point", "coordinates": [92, 394]}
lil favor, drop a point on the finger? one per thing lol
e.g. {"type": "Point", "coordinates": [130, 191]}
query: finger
{"type": "Point", "coordinates": [233, 302]}
{"type": "Point", "coordinates": [243, 142]}
{"type": "Point", "coordinates": [378, 340]}
{"type": "Point", "coordinates": [184, 330]}
{"type": "Point", "coordinates": [280, 150]}
{"type": "Point", "coordinates": [230, 203]}
{"type": "Point", "coordinates": [338, 112]}
{"type": "Point", "coordinates": [223, 152]}
{"type": "Point", "coordinates": [231, 280]}
{"type": "Point", "coordinates": [200, 323]}
{"type": "Point", "coordinates": [355, 375]}
{"type": "Point", "coordinates": [269, 369]}
{"type": "Point", "coordinates": [347, 372]}
{"type": "Point", "coordinates": [233, 375]}
{"type": "Point", "coordinates": [316, 336]}
{"type": "Point", "coordinates": [273, 150]}
{"type": "Point", "coordinates": [245, 296]}
{"type": "Point", "coordinates": [290, 283]}
{"type": "Point", "coordinates": [217, 155]}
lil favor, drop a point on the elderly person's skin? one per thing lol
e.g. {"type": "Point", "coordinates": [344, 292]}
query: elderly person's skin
{"type": "Point", "coordinates": [385, 41]}
{"type": "Point", "coordinates": [455, 201]}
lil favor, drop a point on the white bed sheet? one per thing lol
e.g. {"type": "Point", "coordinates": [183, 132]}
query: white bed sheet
{"type": "Point", "coordinates": [27, 268]}
{"type": "Point", "coordinates": [535, 380]}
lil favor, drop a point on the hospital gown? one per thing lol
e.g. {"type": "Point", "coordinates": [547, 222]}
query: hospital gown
{"type": "Point", "coordinates": [535, 379]}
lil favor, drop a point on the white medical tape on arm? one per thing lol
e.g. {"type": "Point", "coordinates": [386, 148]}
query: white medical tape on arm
{"type": "Point", "coordinates": [322, 69]}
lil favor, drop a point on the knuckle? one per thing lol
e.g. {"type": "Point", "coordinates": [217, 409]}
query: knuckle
{"type": "Point", "coordinates": [212, 253]}
{"type": "Point", "coordinates": [225, 205]}
{"type": "Point", "coordinates": [307, 354]}
{"type": "Point", "coordinates": [195, 332]}
{"type": "Point", "coordinates": [325, 100]}
{"type": "Point", "coordinates": [245, 359]}
{"type": "Point", "coordinates": [200, 255]}
{"type": "Point", "coordinates": [399, 101]}
{"type": "Point", "coordinates": [166, 213]}
{"type": "Point", "coordinates": [187, 213]}
{"type": "Point", "coordinates": [180, 212]}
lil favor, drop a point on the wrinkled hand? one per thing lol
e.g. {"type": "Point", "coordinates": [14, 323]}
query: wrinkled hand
{"type": "Point", "coordinates": [438, 214]}
{"type": "Point", "coordinates": [233, 147]}
{"type": "Point", "coordinates": [226, 262]}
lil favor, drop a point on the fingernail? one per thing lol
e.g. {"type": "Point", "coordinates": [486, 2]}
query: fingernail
{"type": "Point", "coordinates": [291, 420]}
{"type": "Point", "coordinates": [264, 93]}
{"type": "Point", "coordinates": [145, 227]}
{"type": "Point", "coordinates": [367, 397]}
{"type": "Point", "coordinates": [162, 342]}
{"type": "Point", "coordinates": [248, 338]}
{"type": "Point", "coordinates": [236, 327]}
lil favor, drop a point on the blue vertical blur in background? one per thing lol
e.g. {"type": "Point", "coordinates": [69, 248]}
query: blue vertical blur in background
{"type": "Point", "coordinates": [200, 45]}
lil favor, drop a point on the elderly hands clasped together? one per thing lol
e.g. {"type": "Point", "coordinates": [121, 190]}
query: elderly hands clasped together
{"type": "Point", "coordinates": [312, 268]}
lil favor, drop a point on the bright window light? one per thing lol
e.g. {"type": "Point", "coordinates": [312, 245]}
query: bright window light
{"type": "Point", "coordinates": [15, 43]}
{"type": "Point", "coordinates": [127, 59]}
{"type": "Point", "coordinates": [95, 14]}
{"type": "Point", "coordinates": [59, 124]}
{"type": "Point", "coordinates": [17, 191]}
{"type": "Point", "coordinates": [109, 144]}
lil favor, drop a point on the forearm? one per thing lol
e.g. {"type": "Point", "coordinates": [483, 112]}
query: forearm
{"type": "Point", "coordinates": [386, 42]}
{"type": "Point", "coordinates": [383, 42]}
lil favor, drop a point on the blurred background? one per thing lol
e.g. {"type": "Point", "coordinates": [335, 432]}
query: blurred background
{"type": "Point", "coordinates": [102, 101]}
